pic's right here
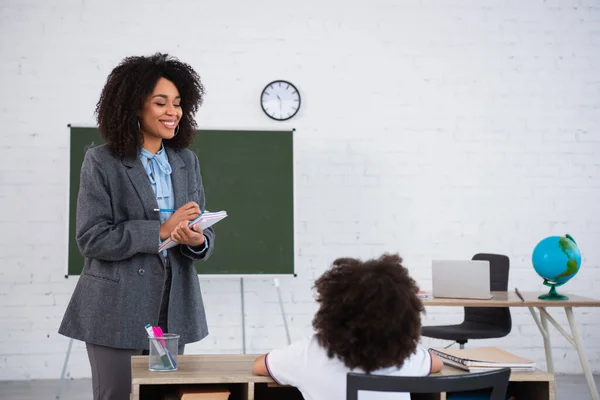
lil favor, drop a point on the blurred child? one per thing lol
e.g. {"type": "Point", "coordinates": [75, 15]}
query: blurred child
{"type": "Point", "coordinates": [369, 321]}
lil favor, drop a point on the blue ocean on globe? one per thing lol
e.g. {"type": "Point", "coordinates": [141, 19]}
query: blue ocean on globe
{"type": "Point", "coordinates": [556, 259]}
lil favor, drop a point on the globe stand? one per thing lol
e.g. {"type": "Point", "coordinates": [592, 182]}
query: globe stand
{"type": "Point", "coordinates": [552, 294]}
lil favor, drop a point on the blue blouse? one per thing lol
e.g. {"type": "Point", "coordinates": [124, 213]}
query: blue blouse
{"type": "Point", "coordinates": [159, 171]}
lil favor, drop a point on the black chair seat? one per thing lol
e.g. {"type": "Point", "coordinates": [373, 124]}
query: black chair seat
{"type": "Point", "coordinates": [463, 332]}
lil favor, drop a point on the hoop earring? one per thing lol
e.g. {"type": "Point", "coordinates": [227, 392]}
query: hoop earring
{"type": "Point", "coordinates": [176, 131]}
{"type": "Point", "coordinates": [139, 127]}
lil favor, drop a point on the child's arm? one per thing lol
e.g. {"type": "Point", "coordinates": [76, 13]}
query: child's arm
{"type": "Point", "coordinates": [260, 367]}
{"type": "Point", "coordinates": [436, 363]}
{"type": "Point", "coordinates": [287, 365]}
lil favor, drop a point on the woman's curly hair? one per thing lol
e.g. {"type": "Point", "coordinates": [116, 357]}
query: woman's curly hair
{"type": "Point", "coordinates": [369, 315]}
{"type": "Point", "coordinates": [127, 88]}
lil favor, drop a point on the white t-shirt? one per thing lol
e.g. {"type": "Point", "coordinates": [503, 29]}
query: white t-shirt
{"type": "Point", "coordinates": [305, 365]}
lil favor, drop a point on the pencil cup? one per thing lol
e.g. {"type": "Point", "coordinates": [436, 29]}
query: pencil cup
{"type": "Point", "coordinates": [163, 352]}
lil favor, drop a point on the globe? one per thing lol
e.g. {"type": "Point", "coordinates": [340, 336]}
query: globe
{"type": "Point", "coordinates": [556, 259]}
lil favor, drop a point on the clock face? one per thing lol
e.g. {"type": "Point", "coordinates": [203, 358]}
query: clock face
{"type": "Point", "coordinates": [280, 100]}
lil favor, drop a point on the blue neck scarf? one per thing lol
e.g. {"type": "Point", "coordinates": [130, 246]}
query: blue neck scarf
{"type": "Point", "coordinates": [159, 170]}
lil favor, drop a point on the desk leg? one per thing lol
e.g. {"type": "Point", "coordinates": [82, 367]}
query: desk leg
{"type": "Point", "coordinates": [547, 344]}
{"type": "Point", "coordinates": [543, 327]}
{"type": "Point", "coordinates": [575, 342]}
{"type": "Point", "coordinates": [135, 392]}
{"type": "Point", "coordinates": [581, 351]}
{"type": "Point", "coordinates": [552, 390]}
{"type": "Point", "coordinates": [249, 391]}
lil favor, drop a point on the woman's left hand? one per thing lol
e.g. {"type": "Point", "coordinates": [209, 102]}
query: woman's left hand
{"type": "Point", "coordinates": [183, 234]}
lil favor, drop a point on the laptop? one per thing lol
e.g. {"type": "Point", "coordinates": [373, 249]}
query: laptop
{"type": "Point", "coordinates": [461, 279]}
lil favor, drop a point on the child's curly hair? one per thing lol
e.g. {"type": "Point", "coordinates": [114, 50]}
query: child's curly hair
{"type": "Point", "coordinates": [369, 315]}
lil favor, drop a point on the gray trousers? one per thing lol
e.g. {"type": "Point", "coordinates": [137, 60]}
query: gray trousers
{"type": "Point", "coordinates": [111, 368]}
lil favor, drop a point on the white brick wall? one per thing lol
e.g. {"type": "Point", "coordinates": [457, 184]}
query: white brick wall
{"type": "Point", "coordinates": [429, 128]}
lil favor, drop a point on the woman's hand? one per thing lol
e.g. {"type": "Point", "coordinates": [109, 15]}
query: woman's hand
{"type": "Point", "coordinates": [183, 234]}
{"type": "Point", "coordinates": [186, 213]}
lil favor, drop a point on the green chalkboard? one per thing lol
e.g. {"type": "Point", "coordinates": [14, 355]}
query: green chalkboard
{"type": "Point", "coordinates": [249, 174]}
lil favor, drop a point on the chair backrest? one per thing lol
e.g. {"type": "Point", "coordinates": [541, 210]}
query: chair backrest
{"type": "Point", "coordinates": [496, 380]}
{"type": "Point", "coordinates": [495, 316]}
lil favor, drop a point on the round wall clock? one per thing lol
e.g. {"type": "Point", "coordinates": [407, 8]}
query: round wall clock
{"type": "Point", "coordinates": [280, 100]}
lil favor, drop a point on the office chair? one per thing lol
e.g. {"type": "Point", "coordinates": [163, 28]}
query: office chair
{"type": "Point", "coordinates": [480, 322]}
{"type": "Point", "coordinates": [496, 380]}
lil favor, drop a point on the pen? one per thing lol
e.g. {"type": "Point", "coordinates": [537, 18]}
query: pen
{"type": "Point", "coordinates": [171, 210]}
{"type": "Point", "coordinates": [519, 294]}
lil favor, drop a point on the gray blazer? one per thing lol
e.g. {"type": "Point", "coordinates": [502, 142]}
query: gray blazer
{"type": "Point", "coordinates": [121, 284]}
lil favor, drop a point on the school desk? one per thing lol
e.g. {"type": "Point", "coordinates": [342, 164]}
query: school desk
{"type": "Point", "coordinates": [235, 371]}
{"type": "Point", "coordinates": [541, 318]}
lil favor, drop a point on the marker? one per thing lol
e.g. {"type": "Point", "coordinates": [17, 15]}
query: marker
{"type": "Point", "coordinates": [159, 333]}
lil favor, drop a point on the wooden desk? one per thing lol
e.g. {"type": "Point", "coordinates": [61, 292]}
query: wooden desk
{"type": "Point", "coordinates": [541, 318]}
{"type": "Point", "coordinates": [200, 369]}
{"type": "Point", "coordinates": [235, 370]}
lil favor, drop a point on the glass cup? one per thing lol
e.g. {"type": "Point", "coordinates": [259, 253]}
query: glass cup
{"type": "Point", "coordinates": [163, 352]}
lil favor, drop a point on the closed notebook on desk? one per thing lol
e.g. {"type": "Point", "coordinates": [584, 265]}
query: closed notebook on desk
{"type": "Point", "coordinates": [483, 359]}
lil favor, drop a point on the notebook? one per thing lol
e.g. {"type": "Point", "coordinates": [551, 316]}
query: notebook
{"type": "Point", "coordinates": [205, 220]}
{"type": "Point", "coordinates": [483, 359]}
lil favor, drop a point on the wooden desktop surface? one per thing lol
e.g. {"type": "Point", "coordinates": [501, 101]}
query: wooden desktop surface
{"type": "Point", "coordinates": [199, 369]}
{"type": "Point", "coordinates": [237, 368]}
{"type": "Point", "coordinates": [510, 299]}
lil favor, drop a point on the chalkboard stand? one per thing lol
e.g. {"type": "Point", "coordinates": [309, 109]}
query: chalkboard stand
{"type": "Point", "coordinates": [62, 374]}
{"type": "Point", "coordinates": [287, 331]}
